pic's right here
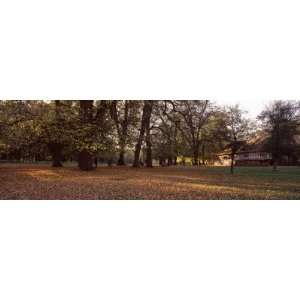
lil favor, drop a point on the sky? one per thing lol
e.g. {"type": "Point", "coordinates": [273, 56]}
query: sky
{"type": "Point", "coordinates": [253, 107]}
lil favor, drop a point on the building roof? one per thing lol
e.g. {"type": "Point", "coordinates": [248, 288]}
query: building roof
{"type": "Point", "coordinates": [256, 144]}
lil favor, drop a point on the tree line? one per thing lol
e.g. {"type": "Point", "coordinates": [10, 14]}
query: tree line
{"type": "Point", "coordinates": [83, 130]}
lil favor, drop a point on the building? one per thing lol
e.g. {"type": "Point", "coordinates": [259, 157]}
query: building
{"type": "Point", "coordinates": [253, 158]}
{"type": "Point", "coordinates": [253, 154]}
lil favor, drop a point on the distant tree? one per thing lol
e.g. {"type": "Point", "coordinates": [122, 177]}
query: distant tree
{"type": "Point", "coordinates": [281, 120]}
{"type": "Point", "coordinates": [239, 130]}
{"type": "Point", "coordinates": [214, 136]}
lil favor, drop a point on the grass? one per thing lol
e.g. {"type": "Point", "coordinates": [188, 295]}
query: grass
{"type": "Point", "coordinates": [36, 181]}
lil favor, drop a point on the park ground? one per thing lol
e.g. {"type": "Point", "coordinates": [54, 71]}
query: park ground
{"type": "Point", "coordinates": [30, 181]}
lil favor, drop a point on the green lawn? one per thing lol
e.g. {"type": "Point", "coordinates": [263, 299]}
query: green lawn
{"type": "Point", "coordinates": [40, 181]}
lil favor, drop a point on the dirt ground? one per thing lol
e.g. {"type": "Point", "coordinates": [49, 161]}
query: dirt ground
{"type": "Point", "coordinates": [22, 181]}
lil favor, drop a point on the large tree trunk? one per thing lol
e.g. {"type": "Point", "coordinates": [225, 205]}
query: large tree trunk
{"type": "Point", "coordinates": [147, 111]}
{"type": "Point", "coordinates": [121, 161]}
{"type": "Point", "coordinates": [54, 147]}
{"type": "Point", "coordinates": [85, 159]}
{"type": "Point", "coordinates": [86, 111]}
{"type": "Point", "coordinates": [175, 145]}
{"type": "Point", "coordinates": [162, 162]}
{"type": "Point", "coordinates": [148, 148]}
{"type": "Point", "coordinates": [138, 146]}
{"type": "Point", "coordinates": [55, 150]}
{"type": "Point", "coordinates": [121, 126]}
{"type": "Point", "coordinates": [175, 161]}
{"type": "Point", "coordinates": [203, 154]}
{"type": "Point", "coordinates": [275, 164]}
{"type": "Point", "coordinates": [232, 164]}
{"type": "Point", "coordinates": [196, 156]}
{"type": "Point", "coordinates": [234, 149]}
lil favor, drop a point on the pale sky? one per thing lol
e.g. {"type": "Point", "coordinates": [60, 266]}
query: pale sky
{"type": "Point", "coordinates": [253, 107]}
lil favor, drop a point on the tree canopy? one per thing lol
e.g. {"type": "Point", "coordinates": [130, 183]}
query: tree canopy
{"type": "Point", "coordinates": [138, 131]}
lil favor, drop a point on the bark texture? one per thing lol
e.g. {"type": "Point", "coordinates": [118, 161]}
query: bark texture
{"type": "Point", "coordinates": [85, 158]}
{"type": "Point", "coordinates": [55, 150]}
{"type": "Point", "coordinates": [122, 127]}
{"type": "Point", "coordinates": [147, 111]}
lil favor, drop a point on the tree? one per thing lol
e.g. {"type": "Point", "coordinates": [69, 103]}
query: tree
{"type": "Point", "coordinates": [31, 130]}
{"type": "Point", "coordinates": [239, 129]}
{"type": "Point", "coordinates": [167, 141]}
{"type": "Point", "coordinates": [124, 114]}
{"type": "Point", "coordinates": [85, 158]}
{"type": "Point", "coordinates": [93, 132]}
{"type": "Point", "coordinates": [55, 146]}
{"type": "Point", "coordinates": [82, 130]}
{"type": "Point", "coordinates": [214, 137]}
{"type": "Point", "coordinates": [57, 128]}
{"type": "Point", "coordinates": [87, 128]}
{"type": "Point", "coordinates": [22, 132]}
{"type": "Point", "coordinates": [281, 121]}
{"type": "Point", "coordinates": [145, 127]}
{"type": "Point", "coordinates": [190, 116]}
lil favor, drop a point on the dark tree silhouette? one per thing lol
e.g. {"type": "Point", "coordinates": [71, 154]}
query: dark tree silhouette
{"type": "Point", "coordinates": [239, 130]}
{"type": "Point", "coordinates": [85, 158]}
{"type": "Point", "coordinates": [145, 126]}
{"type": "Point", "coordinates": [123, 113]}
{"type": "Point", "coordinates": [281, 120]}
{"type": "Point", "coordinates": [54, 146]}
